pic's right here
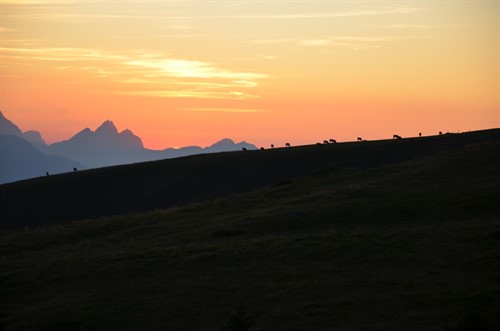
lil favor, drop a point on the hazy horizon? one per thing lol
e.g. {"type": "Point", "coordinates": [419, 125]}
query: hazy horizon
{"type": "Point", "coordinates": [180, 73]}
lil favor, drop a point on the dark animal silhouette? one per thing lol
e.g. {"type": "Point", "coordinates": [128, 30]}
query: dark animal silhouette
{"type": "Point", "coordinates": [333, 141]}
{"type": "Point", "coordinates": [243, 149]}
{"type": "Point", "coordinates": [325, 142]}
{"type": "Point", "coordinates": [272, 145]}
{"type": "Point", "coordinates": [262, 148]}
{"type": "Point", "coordinates": [440, 132]}
{"type": "Point", "coordinates": [396, 136]}
{"type": "Point", "coordinates": [287, 145]}
{"type": "Point", "coordinates": [420, 134]}
{"type": "Point", "coordinates": [74, 169]}
{"type": "Point", "coordinates": [360, 139]}
{"type": "Point", "coordinates": [319, 144]}
{"type": "Point", "coordinates": [47, 173]}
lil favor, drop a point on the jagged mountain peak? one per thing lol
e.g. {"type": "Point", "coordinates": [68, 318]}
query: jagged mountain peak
{"type": "Point", "coordinates": [131, 139]}
{"type": "Point", "coordinates": [84, 133]}
{"type": "Point", "coordinates": [108, 127]}
{"type": "Point", "coordinates": [226, 142]}
{"type": "Point", "coordinates": [34, 137]}
{"type": "Point", "coordinates": [7, 127]}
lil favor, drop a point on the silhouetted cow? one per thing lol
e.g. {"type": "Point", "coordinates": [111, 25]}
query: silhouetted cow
{"type": "Point", "coordinates": [333, 141]}
{"type": "Point", "coordinates": [243, 149]}
{"type": "Point", "coordinates": [262, 148]}
{"type": "Point", "coordinates": [360, 139]}
{"type": "Point", "coordinates": [396, 136]}
{"type": "Point", "coordinates": [325, 142]}
{"type": "Point", "coordinates": [47, 173]}
{"type": "Point", "coordinates": [420, 134]}
{"type": "Point", "coordinates": [440, 132]}
{"type": "Point", "coordinates": [74, 169]}
{"type": "Point", "coordinates": [272, 145]}
{"type": "Point", "coordinates": [319, 144]}
{"type": "Point", "coordinates": [287, 145]}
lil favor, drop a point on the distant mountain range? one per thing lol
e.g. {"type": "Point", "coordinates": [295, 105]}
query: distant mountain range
{"type": "Point", "coordinates": [25, 154]}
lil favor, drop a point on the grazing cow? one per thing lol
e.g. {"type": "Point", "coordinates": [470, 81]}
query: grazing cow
{"type": "Point", "coordinates": [319, 144]}
{"type": "Point", "coordinates": [287, 145]}
{"type": "Point", "coordinates": [74, 169]}
{"type": "Point", "coordinates": [272, 146]}
{"type": "Point", "coordinates": [396, 136]}
{"type": "Point", "coordinates": [243, 149]}
{"type": "Point", "coordinates": [325, 142]}
{"type": "Point", "coordinates": [262, 148]}
{"type": "Point", "coordinates": [360, 139]}
{"type": "Point", "coordinates": [333, 141]}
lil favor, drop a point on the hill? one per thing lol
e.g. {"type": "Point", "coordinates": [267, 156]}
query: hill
{"type": "Point", "coordinates": [380, 240]}
{"type": "Point", "coordinates": [177, 182]}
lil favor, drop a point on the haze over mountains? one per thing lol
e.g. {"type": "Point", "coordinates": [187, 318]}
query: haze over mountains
{"type": "Point", "coordinates": [26, 155]}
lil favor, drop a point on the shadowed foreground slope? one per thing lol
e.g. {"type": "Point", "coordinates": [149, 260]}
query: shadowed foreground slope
{"type": "Point", "coordinates": [176, 182]}
{"type": "Point", "coordinates": [410, 246]}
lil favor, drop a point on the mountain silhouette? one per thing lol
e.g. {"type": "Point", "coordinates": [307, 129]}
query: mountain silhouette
{"type": "Point", "coordinates": [107, 129]}
{"type": "Point", "coordinates": [7, 127]}
{"type": "Point", "coordinates": [105, 146]}
{"type": "Point", "coordinates": [21, 160]}
{"type": "Point", "coordinates": [34, 137]}
{"type": "Point", "coordinates": [106, 134]}
{"type": "Point", "coordinates": [228, 145]}
{"type": "Point", "coordinates": [22, 154]}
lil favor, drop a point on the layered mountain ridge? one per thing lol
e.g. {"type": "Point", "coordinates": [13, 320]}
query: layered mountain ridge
{"type": "Point", "coordinates": [106, 146]}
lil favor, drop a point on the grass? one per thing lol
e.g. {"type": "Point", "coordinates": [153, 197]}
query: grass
{"type": "Point", "coordinates": [409, 245]}
{"type": "Point", "coordinates": [178, 182]}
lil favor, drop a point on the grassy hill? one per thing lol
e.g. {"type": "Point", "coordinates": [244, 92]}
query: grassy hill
{"type": "Point", "coordinates": [388, 235]}
{"type": "Point", "coordinates": [177, 182]}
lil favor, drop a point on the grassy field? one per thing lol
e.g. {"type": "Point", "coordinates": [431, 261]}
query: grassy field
{"type": "Point", "coordinates": [410, 242]}
{"type": "Point", "coordinates": [163, 184]}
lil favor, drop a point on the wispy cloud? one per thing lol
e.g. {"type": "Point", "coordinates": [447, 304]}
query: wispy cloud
{"type": "Point", "coordinates": [156, 73]}
{"type": "Point", "coordinates": [402, 26]}
{"type": "Point", "coordinates": [272, 41]}
{"type": "Point", "coordinates": [59, 10]}
{"type": "Point", "coordinates": [413, 26]}
{"type": "Point", "coordinates": [227, 110]}
{"type": "Point", "coordinates": [316, 42]}
{"type": "Point", "coordinates": [230, 95]}
{"type": "Point", "coordinates": [350, 42]}
{"type": "Point", "coordinates": [351, 13]}
{"type": "Point", "coordinates": [192, 69]}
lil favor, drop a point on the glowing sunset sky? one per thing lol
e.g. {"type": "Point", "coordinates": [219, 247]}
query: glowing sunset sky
{"type": "Point", "coordinates": [185, 72]}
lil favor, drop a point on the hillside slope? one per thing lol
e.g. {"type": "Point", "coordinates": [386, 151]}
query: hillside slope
{"type": "Point", "coordinates": [177, 182]}
{"type": "Point", "coordinates": [411, 246]}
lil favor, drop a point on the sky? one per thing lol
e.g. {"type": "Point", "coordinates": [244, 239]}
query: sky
{"type": "Point", "coordinates": [183, 72]}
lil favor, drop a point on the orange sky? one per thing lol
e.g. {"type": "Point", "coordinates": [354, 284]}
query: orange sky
{"type": "Point", "coordinates": [186, 72]}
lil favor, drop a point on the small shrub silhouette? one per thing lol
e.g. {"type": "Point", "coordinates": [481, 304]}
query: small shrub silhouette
{"type": "Point", "coordinates": [238, 321]}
